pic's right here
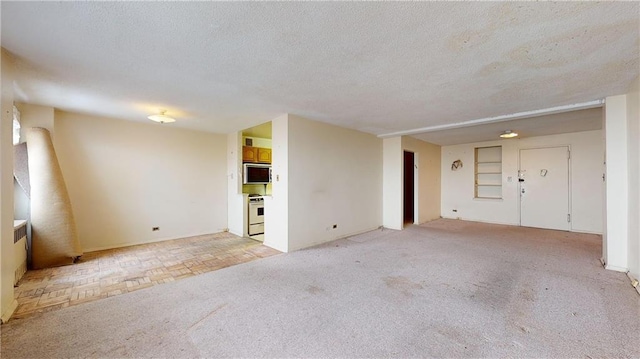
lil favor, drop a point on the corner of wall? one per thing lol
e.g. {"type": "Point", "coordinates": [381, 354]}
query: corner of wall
{"type": "Point", "coordinates": [7, 301]}
{"type": "Point", "coordinates": [7, 313]}
{"type": "Point", "coordinates": [235, 200]}
{"type": "Point", "coordinates": [617, 189]}
{"type": "Point", "coordinates": [277, 227]}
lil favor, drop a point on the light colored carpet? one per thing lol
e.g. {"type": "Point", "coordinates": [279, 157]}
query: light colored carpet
{"type": "Point", "coordinates": [444, 289]}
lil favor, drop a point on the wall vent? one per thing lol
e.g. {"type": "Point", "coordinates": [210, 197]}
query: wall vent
{"type": "Point", "coordinates": [20, 253]}
{"type": "Point", "coordinates": [19, 233]}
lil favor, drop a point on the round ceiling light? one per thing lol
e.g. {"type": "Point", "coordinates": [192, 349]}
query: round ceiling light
{"type": "Point", "coordinates": [162, 118]}
{"type": "Point", "coordinates": [509, 134]}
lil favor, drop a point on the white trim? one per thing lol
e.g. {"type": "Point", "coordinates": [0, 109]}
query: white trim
{"type": "Point", "coordinates": [501, 118]}
{"type": "Point", "coordinates": [615, 268]}
{"type": "Point", "coordinates": [482, 221]}
{"type": "Point", "coordinates": [584, 231]}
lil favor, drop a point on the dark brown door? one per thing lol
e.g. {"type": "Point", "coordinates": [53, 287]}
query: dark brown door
{"type": "Point", "coordinates": [408, 187]}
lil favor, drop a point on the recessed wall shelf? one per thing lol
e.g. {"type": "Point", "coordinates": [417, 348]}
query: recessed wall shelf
{"type": "Point", "coordinates": [488, 172]}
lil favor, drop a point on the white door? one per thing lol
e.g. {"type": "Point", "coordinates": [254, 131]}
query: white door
{"type": "Point", "coordinates": [544, 188]}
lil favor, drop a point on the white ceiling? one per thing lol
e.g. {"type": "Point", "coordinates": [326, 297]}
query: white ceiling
{"type": "Point", "coordinates": [379, 67]}
{"type": "Point", "coordinates": [566, 122]}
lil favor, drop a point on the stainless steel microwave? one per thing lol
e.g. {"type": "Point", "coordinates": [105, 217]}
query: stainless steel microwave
{"type": "Point", "coordinates": [256, 173]}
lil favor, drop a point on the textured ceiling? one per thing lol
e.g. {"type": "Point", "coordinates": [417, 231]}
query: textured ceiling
{"type": "Point", "coordinates": [566, 122]}
{"type": "Point", "coordinates": [379, 67]}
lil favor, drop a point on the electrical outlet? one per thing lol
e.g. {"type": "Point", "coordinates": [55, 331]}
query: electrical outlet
{"type": "Point", "coordinates": [153, 229]}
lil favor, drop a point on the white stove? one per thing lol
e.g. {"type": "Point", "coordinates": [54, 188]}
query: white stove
{"type": "Point", "coordinates": [256, 215]}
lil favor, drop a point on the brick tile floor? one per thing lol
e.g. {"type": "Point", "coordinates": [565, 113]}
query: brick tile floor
{"type": "Point", "coordinates": [118, 271]}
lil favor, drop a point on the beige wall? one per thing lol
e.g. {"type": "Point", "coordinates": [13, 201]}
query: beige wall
{"type": "Point", "coordinates": [125, 178]}
{"type": "Point", "coordinates": [35, 116]}
{"type": "Point", "coordinates": [334, 177]}
{"type": "Point", "coordinates": [586, 180]}
{"type": "Point", "coordinates": [429, 157]}
{"type": "Point", "coordinates": [633, 149]}
{"type": "Point", "coordinates": [7, 260]}
{"type": "Point", "coordinates": [30, 116]}
{"type": "Point", "coordinates": [428, 187]}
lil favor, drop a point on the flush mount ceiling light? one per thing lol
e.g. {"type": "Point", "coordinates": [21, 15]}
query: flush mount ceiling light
{"type": "Point", "coordinates": [509, 134]}
{"type": "Point", "coordinates": [162, 118]}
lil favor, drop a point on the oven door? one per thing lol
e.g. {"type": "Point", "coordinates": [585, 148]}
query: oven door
{"type": "Point", "coordinates": [256, 213]}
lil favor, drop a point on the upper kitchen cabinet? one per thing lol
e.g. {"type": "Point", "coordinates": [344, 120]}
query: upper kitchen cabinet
{"type": "Point", "coordinates": [249, 154]}
{"type": "Point", "coordinates": [256, 144]}
{"type": "Point", "coordinates": [264, 155]}
{"type": "Point", "coordinates": [256, 154]}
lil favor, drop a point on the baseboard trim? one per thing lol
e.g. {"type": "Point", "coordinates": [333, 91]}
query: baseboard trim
{"type": "Point", "coordinates": [572, 230]}
{"type": "Point", "coordinates": [634, 282]}
{"type": "Point", "coordinates": [9, 312]}
{"type": "Point", "coordinates": [585, 231]}
{"type": "Point", "coordinates": [342, 236]}
{"type": "Point", "coordinates": [617, 269]}
{"type": "Point", "coordinates": [283, 249]}
{"type": "Point", "coordinates": [155, 240]}
{"type": "Point", "coordinates": [482, 221]}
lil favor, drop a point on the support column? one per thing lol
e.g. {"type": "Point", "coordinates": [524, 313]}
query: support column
{"type": "Point", "coordinates": [392, 183]}
{"type": "Point", "coordinates": [617, 190]}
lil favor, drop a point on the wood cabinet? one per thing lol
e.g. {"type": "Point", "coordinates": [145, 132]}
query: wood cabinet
{"type": "Point", "coordinates": [264, 155]}
{"type": "Point", "coordinates": [256, 154]}
{"type": "Point", "coordinates": [249, 154]}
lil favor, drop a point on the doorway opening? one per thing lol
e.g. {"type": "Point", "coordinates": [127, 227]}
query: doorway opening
{"type": "Point", "coordinates": [408, 216]}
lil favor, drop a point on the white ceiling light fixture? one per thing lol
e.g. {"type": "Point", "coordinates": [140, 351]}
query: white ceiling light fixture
{"type": "Point", "coordinates": [508, 134]}
{"type": "Point", "coordinates": [162, 118]}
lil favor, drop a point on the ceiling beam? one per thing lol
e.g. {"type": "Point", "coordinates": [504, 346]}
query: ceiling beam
{"type": "Point", "coordinates": [501, 118]}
